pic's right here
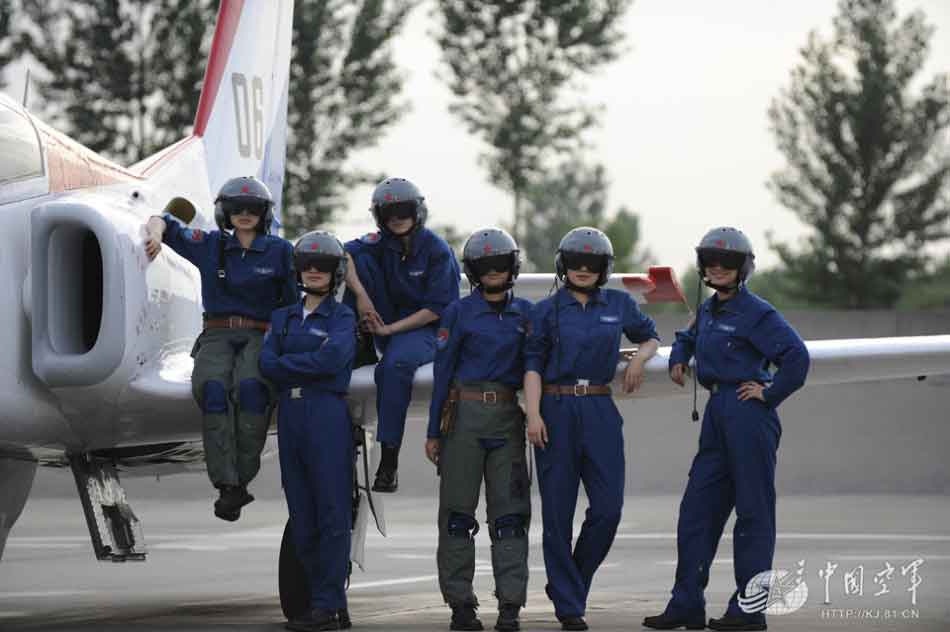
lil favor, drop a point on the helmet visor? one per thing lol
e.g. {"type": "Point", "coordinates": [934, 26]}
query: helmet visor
{"type": "Point", "coordinates": [494, 263]}
{"type": "Point", "coordinates": [398, 210]}
{"type": "Point", "coordinates": [319, 262]}
{"type": "Point", "coordinates": [236, 207]}
{"type": "Point", "coordinates": [584, 260]}
{"type": "Point", "coordinates": [722, 258]}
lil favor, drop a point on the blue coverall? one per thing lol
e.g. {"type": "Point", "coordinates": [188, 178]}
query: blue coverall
{"type": "Point", "coordinates": [310, 360]}
{"type": "Point", "coordinates": [258, 280]}
{"type": "Point", "coordinates": [570, 343]}
{"type": "Point", "coordinates": [226, 381]}
{"type": "Point", "coordinates": [734, 341]}
{"type": "Point", "coordinates": [400, 284]}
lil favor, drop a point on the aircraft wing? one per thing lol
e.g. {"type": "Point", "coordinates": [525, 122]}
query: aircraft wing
{"type": "Point", "coordinates": [166, 391]}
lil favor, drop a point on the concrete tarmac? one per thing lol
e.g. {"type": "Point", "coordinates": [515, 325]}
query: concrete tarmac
{"type": "Point", "coordinates": [204, 574]}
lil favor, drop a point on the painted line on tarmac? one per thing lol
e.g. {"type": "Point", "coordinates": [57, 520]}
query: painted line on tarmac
{"type": "Point", "coordinates": [45, 593]}
{"type": "Point", "coordinates": [866, 537]}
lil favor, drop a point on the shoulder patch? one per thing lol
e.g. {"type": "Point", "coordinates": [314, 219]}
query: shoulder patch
{"type": "Point", "coordinates": [442, 337]}
{"type": "Point", "coordinates": [370, 238]}
{"type": "Point", "coordinates": [197, 236]}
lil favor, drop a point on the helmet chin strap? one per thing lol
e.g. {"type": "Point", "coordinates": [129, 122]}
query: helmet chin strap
{"type": "Point", "coordinates": [576, 288]}
{"type": "Point", "coordinates": [315, 291]}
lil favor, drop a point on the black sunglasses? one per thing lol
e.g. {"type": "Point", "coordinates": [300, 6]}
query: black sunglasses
{"type": "Point", "coordinates": [320, 262]}
{"type": "Point", "coordinates": [726, 260]}
{"type": "Point", "coordinates": [257, 210]}
{"type": "Point", "coordinates": [494, 263]}
{"type": "Point", "coordinates": [578, 260]}
{"type": "Point", "coordinates": [398, 210]}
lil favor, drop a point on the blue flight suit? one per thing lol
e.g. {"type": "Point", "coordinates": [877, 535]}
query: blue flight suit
{"type": "Point", "coordinates": [258, 280]}
{"type": "Point", "coordinates": [570, 343]}
{"type": "Point", "coordinates": [226, 381]}
{"type": "Point", "coordinates": [734, 341]}
{"type": "Point", "coordinates": [310, 361]}
{"type": "Point", "coordinates": [481, 349]}
{"type": "Point", "coordinates": [400, 284]}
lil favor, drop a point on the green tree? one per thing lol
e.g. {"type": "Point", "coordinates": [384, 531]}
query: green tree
{"type": "Point", "coordinates": [509, 65]}
{"type": "Point", "coordinates": [344, 93]}
{"type": "Point", "coordinates": [867, 160]}
{"type": "Point", "coordinates": [576, 195]}
{"type": "Point", "coordinates": [93, 84]}
{"type": "Point", "coordinates": [930, 290]}
{"type": "Point", "coordinates": [7, 39]}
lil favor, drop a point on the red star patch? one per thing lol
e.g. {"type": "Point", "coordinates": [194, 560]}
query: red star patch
{"type": "Point", "coordinates": [196, 235]}
{"type": "Point", "coordinates": [388, 197]}
{"type": "Point", "coordinates": [720, 243]}
{"type": "Point", "coordinates": [587, 248]}
{"type": "Point", "coordinates": [487, 248]}
{"type": "Point", "coordinates": [245, 189]}
{"type": "Point", "coordinates": [314, 246]}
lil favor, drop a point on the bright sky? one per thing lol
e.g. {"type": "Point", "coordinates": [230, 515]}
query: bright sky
{"type": "Point", "coordinates": [684, 135]}
{"type": "Point", "coordinates": [684, 132]}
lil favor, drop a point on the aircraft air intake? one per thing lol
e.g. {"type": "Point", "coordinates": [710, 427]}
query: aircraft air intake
{"type": "Point", "coordinates": [78, 293]}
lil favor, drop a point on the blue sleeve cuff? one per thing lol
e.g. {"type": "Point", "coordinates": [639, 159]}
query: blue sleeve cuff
{"type": "Point", "coordinates": [534, 364]}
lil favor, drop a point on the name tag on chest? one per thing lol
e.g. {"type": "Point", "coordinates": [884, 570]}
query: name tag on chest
{"type": "Point", "coordinates": [609, 319]}
{"type": "Point", "coordinates": [317, 332]}
{"type": "Point", "coordinates": [725, 327]}
{"type": "Point", "coordinates": [416, 273]}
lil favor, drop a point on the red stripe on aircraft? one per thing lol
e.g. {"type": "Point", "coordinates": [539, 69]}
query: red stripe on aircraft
{"type": "Point", "coordinates": [228, 17]}
{"type": "Point", "coordinates": [666, 287]}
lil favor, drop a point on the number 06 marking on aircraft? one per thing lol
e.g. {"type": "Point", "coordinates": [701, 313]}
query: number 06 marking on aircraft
{"type": "Point", "coordinates": [246, 130]}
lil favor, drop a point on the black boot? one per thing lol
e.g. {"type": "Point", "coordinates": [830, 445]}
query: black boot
{"type": "Point", "coordinates": [572, 623]}
{"type": "Point", "coordinates": [508, 617]}
{"type": "Point", "coordinates": [229, 503]}
{"type": "Point", "coordinates": [315, 621]}
{"type": "Point", "coordinates": [343, 615]}
{"type": "Point", "coordinates": [464, 618]}
{"type": "Point", "coordinates": [387, 478]}
{"type": "Point", "coordinates": [668, 621]}
{"type": "Point", "coordinates": [738, 623]}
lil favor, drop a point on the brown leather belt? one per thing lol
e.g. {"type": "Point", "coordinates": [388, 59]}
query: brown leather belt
{"type": "Point", "coordinates": [577, 390]}
{"type": "Point", "coordinates": [486, 397]}
{"type": "Point", "coordinates": [236, 322]}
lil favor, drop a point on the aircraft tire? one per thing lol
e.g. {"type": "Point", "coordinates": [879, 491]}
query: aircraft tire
{"type": "Point", "coordinates": [293, 585]}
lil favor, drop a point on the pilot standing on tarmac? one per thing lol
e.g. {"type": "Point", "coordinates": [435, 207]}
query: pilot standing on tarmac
{"type": "Point", "coordinates": [245, 275]}
{"type": "Point", "coordinates": [573, 346]}
{"type": "Point", "coordinates": [734, 338]}
{"type": "Point", "coordinates": [308, 354]}
{"type": "Point", "coordinates": [476, 429]}
{"type": "Point", "coordinates": [400, 280]}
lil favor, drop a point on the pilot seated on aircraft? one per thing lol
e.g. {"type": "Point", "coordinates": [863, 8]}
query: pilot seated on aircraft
{"type": "Point", "coordinates": [400, 280]}
{"type": "Point", "coordinates": [245, 275]}
{"type": "Point", "coordinates": [308, 354]}
{"type": "Point", "coordinates": [571, 356]}
{"type": "Point", "coordinates": [735, 337]}
{"type": "Point", "coordinates": [476, 430]}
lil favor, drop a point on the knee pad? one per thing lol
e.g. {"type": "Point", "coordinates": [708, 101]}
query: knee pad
{"type": "Point", "coordinates": [462, 525]}
{"type": "Point", "coordinates": [215, 398]}
{"type": "Point", "coordinates": [509, 526]}
{"type": "Point", "coordinates": [253, 396]}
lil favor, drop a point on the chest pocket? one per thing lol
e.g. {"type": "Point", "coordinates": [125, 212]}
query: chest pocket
{"type": "Point", "coordinates": [608, 326]}
{"type": "Point", "coordinates": [253, 277]}
{"type": "Point", "coordinates": [305, 337]}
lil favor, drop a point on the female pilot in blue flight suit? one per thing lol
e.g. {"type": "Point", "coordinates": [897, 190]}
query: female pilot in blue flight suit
{"type": "Point", "coordinates": [245, 275]}
{"type": "Point", "coordinates": [400, 280]}
{"type": "Point", "coordinates": [573, 347]}
{"type": "Point", "coordinates": [734, 338]}
{"type": "Point", "coordinates": [476, 430]}
{"type": "Point", "coordinates": [308, 354]}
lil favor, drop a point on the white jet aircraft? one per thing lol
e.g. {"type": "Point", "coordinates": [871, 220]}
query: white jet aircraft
{"type": "Point", "coordinates": [97, 374]}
